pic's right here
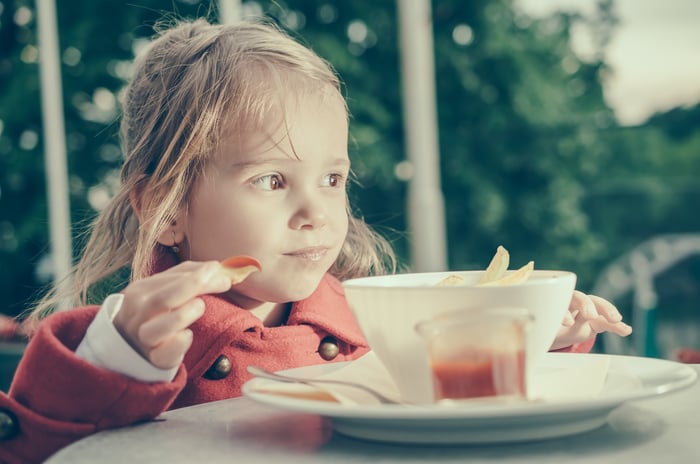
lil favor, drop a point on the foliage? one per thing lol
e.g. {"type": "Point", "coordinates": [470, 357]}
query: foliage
{"type": "Point", "coordinates": [531, 155]}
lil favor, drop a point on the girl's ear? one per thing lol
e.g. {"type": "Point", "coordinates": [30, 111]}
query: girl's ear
{"type": "Point", "coordinates": [172, 236]}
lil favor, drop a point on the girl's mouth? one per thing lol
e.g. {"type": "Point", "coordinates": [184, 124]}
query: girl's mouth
{"type": "Point", "coordinates": [311, 253]}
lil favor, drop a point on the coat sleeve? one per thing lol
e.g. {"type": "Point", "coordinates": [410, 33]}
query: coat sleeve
{"type": "Point", "coordinates": [57, 398]}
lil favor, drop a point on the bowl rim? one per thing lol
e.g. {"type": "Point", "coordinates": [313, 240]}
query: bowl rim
{"type": "Point", "coordinates": [543, 276]}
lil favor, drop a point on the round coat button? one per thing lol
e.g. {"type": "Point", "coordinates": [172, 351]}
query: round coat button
{"type": "Point", "coordinates": [220, 369]}
{"type": "Point", "coordinates": [9, 426]}
{"type": "Point", "coordinates": [328, 349]}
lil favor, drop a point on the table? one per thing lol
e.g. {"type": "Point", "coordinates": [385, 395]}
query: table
{"type": "Point", "coordinates": [662, 429]}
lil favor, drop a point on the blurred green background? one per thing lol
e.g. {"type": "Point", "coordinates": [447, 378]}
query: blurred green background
{"type": "Point", "coordinates": [532, 156]}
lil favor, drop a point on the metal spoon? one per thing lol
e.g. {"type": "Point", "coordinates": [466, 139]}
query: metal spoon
{"type": "Point", "coordinates": [264, 373]}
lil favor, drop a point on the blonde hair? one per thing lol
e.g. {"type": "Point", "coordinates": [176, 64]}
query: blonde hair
{"type": "Point", "coordinates": [188, 86]}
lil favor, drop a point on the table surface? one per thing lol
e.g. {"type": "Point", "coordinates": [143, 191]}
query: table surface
{"type": "Point", "coordinates": [660, 429]}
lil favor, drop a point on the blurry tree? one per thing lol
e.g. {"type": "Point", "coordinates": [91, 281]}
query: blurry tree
{"type": "Point", "coordinates": [531, 155]}
{"type": "Point", "coordinates": [519, 113]}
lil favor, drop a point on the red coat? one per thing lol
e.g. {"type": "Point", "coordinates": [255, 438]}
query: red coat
{"type": "Point", "coordinates": [57, 398]}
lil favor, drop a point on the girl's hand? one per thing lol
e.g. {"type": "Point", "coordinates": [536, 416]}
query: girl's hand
{"type": "Point", "coordinates": [157, 310]}
{"type": "Point", "coordinates": [589, 315]}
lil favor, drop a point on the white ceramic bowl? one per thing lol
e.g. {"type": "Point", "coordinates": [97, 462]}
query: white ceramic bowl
{"type": "Point", "coordinates": [387, 309]}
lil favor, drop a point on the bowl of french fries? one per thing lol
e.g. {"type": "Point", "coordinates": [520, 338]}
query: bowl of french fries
{"type": "Point", "coordinates": [388, 309]}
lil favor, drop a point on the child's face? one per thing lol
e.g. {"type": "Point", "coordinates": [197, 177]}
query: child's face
{"type": "Point", "coordinates": [281, 199]}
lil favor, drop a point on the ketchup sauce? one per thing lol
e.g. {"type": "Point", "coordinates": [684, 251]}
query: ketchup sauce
{"type": "Point", "coordinates": [480, 374]}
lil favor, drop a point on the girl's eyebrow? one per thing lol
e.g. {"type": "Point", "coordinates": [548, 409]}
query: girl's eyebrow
{"type": "Point", "coordinates": [338, 161]}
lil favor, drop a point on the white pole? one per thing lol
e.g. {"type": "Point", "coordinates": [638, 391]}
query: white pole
{"type": "Point", "coordinates": [229, 11]}
{"type": "Point", "coordinates": [54, 141]}
{"type": "Point", "coordinates": [425, 202]}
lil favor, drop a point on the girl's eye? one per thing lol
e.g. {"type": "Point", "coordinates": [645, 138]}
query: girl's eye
{"type": "Point", "coordinates": [334, 180]}
{"type": "Point", "coordinates": [269, 182]}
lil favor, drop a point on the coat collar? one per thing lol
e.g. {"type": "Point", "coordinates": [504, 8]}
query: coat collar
{"type": "Point", "coordinates": [328, 309]}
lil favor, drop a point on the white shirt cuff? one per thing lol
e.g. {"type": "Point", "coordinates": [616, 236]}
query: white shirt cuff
{"type": "Point", "coordinates": [103, 346]}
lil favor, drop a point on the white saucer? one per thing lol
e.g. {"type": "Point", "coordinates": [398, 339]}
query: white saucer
{"type": "Point", "coordinates": [629, 378]}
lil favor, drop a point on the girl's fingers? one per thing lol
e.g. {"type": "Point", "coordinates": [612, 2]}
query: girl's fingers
{"type": "Point", "coordinates": [583, 329]}
{"type": "Point", "coordinates": [606, 308]}
{"type": "Point", "coordinates": [601, 324]}
{"type": "Point", "coordinates": [623, 329]}
{"type": "Point", "coordinates": [183, 286]}
{"type": "Point", "coordinates": [157, 329]}
{"type": "Point", "coordinates": [157, 309]}
{"type": "Point", "coordinates": [581, 303]}
{"type": "Point", "coordinates": [174, 287]}
{"type": "Point", "coordinates": [592, 306]}
{"type": "Point", "coordinates": [171, 352]}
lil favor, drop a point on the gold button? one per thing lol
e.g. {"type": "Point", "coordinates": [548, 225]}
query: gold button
{"type": "Point", "coordinates": [328, 349]}
{"type": "Point", "coordinates": [219, 370]}
{"type": "Point", "coordinates": [9, 426]}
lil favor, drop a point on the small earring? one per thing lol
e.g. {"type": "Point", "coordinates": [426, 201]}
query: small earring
{"type": "Point", "coordinates": [175, 248]}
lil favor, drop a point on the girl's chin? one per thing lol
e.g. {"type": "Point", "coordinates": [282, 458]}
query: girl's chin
{"type": "Point", "coordinates": [248, 295]}
{"type": "Point", "coordinates": [297, 293]}
{"type": "Point", "coordinates": [298, 288]}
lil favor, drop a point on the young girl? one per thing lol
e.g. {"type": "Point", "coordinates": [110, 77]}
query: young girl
{"type": "Point", "coordinates": [235, 140]}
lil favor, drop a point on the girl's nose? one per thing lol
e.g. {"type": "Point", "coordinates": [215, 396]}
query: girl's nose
{"type": "Point", "coordinates": [310, 213]}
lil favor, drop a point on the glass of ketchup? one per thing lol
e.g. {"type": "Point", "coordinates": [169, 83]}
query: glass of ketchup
{"type": "Point", "coordinates": [478, 353]}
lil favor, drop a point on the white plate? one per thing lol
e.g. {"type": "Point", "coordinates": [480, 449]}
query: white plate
{"type": "Point", "coordinates": [629, 378]}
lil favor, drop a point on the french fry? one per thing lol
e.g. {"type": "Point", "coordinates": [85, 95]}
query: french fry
{"type": "Point", "coordinates": [495, 274]}
{"type": "Point", "coordinates": [238, 268]}
{"type": "Point", "coordinates": [497, 267]}
{"type": "Point", "coordinates": [517, 277]}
